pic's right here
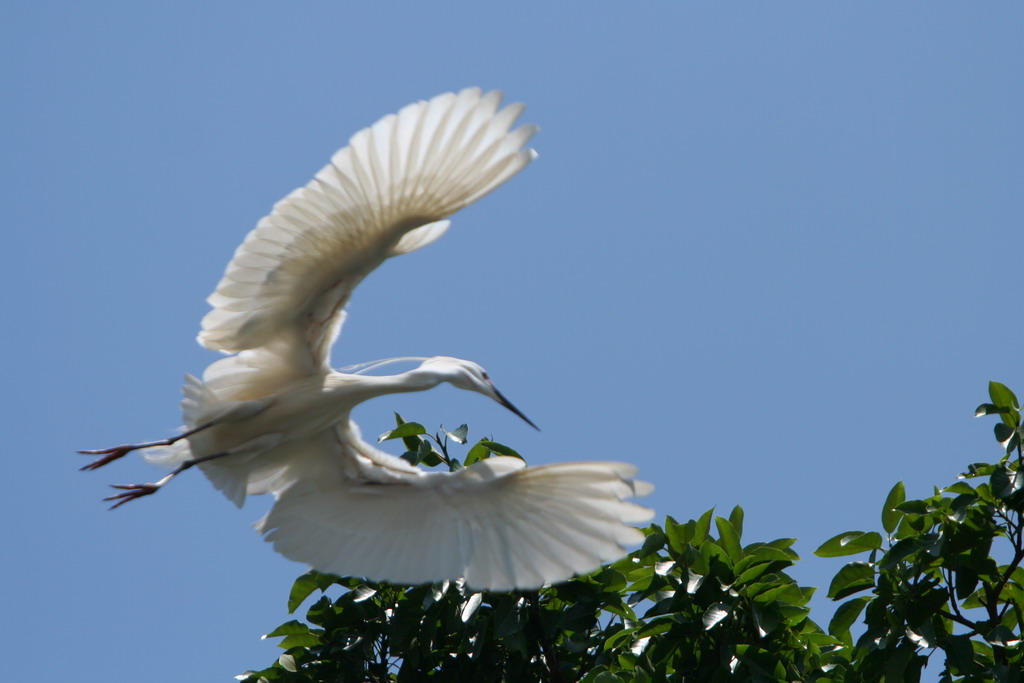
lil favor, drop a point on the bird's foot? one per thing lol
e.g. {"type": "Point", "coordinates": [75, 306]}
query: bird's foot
{"type": "Point", "coordinates": [131, 492]}
{"type": "Point", "coordinates": [109, 455]}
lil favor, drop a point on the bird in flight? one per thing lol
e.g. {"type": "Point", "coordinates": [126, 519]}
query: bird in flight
{"type": "Point", "coordinates": [274, 417]}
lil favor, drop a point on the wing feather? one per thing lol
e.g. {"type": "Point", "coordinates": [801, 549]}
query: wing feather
{"type": "Point", "coordinates": [289, 281]}
{"type": "Point", "coordinates": [499, 524]}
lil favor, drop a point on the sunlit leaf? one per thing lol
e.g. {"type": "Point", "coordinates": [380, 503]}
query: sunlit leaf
{"type": "Point", "coordinates": [287, 663]}
{"type": "Point", "coordinates": [1002, 637]}
{"type": "Point", "coordinates": [470, 606]}
{"type": "Point", "coordinates": [694, 581]}
{"type": "Point", "coordinates": [715, 614]}
{"type": "Point", "coordinates": [457, 435]}
{"type": "Point", "coordinates": [363, 592]}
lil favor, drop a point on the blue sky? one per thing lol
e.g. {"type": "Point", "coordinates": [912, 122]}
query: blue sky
{"type": "Point", "coordinates": [769, 253]}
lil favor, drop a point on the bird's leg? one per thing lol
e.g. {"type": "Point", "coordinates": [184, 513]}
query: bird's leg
{"type": "Point", "coordinates": [112, 454]}
{"type": "Point", "coordinates": [133, 491]}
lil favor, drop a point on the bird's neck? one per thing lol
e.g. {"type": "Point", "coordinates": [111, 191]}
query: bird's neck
{"type": "Point", "coordinates": [359, 388]}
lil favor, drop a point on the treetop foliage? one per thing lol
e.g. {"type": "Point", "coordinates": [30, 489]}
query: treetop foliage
{"type": "Point", "coordinates": [695, 603]}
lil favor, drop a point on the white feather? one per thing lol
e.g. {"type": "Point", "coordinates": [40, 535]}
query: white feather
{"type": "Point", "coordinates": [404, 173]}
{"type": "Point", "coordinates": [497, 523]}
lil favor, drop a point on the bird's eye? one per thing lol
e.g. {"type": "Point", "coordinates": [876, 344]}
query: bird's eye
{"type": "Point", "coordinates": [485, 375]}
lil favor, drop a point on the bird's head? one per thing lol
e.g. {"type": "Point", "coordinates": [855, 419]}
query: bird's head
{"type": "Point", "coordinates": [466, 374]}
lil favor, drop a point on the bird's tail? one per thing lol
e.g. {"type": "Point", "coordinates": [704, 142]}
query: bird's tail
{"type": "Point", "coordinates": [498, 524]}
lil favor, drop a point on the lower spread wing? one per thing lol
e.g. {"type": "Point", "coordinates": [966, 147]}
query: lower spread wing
{"type": "Point", "coordinates": [499, 524]}
{"type": "Point", "coordinates": [384, 194]}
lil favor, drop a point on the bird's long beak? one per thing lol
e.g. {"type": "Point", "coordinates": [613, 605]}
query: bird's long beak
{"type": "Point", "coordinates": [500, 398]}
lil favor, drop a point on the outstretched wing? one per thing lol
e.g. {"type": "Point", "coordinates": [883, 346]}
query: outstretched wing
{"type": "Point", "coordinates": [385, 194]}
{"type": "Point", "coordinates": [499, 524]}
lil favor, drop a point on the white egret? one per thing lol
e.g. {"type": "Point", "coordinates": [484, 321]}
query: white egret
{"type": "Point", "coordinates": [274, 417]}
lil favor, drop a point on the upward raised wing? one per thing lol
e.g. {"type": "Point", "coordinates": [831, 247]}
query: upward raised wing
{"type": "Point", "coordinates": [385, 194]}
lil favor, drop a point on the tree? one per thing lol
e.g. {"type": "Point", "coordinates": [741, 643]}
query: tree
{"type": "Point", "coordinates": [694, 603]}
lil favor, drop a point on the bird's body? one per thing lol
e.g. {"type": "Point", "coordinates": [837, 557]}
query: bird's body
{"type": "Point", "coordinates": [275, 418]}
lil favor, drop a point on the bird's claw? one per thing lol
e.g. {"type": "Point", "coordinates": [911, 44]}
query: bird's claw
{"type": "Point", "coordinates": [131, 492]}
{"type": "Point", "coordinates": [109, 455]}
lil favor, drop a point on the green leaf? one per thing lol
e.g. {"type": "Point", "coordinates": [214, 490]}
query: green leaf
{"type": "Point", "coordinates": [959, 654]}
{"type": "Point", "coordinates": [508, 618]}
{"type": "Point", "coordinates": [432, 459]}
{"type": "Point", "coordinates": [846, 614]}
{"type": "Point", "coordinates": [303, 640]}
{"type": "Point", "coordinates": [736, 519]}
{"type": "Point", "coordinates": [703, 526]}
{"type": "Point", "coordinates": [403, 430]}
{"type": "Point", "coordinates": [849, 543]}
{"type": "Point", "coordinates": [961, 487]}
{"type": "Point", "coordinates": [765, 560]}
{"type": "Point", "coordinates": [1004, 434]}
{"type": "Point", "coordinates": [1002, 637]}
{"type": "Point", "coordinates": [899, 552]}
{"type": "Point", "coordinates": [288, 628]}
{"type": "Point", "coordinates": [611, 581]}
{"type": "Point", "coordinates": [1000, 483]}
{"type": "Point", "coordinates": [500, 449]}
{"type": "Point", "coordinates": [477, 452]}
{"type": "Point", "coordinates": [890, 515]}
{"type": "Point", "coordinates": [853, 578]}
{"type": "Point", "coordinates": [728, 539]}
{"type": "Point", "coordinates": [1002, 396]}
{"type": "Point", "coordinates": [914, 507]}
{"type": "Point", "coordinates": [676, 532]}
{"type": "Point", "coordinates": [990, 409]}
{"type": "Point", "coordinates": [653, 543]}
{"type": "Point", "coordinates": [306, 584]}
